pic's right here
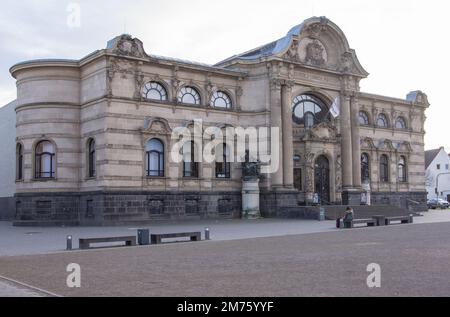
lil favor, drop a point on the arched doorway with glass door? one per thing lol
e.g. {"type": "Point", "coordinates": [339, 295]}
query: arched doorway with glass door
{"type": "Point", "coordinates": [322, 180]}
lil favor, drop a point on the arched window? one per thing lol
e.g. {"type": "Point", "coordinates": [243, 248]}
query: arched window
{"type": "Point", "coordinates": [382, 121]}
{"type": "Point", "coordinates": [402, 170]}
{"type": "Point", "coordinates": [400, 123]}
{"type": "Point", "coordinates": [91, 158]}
{"type": "Point", "coordinates": [189, 95]}
{"type": "Point", "coordinates": [365, 168]}
{"type": "Point", "coordinates": [308, 111]}
{"type": "Point", "coordinates": [223, 165]}
{"type": "Point", "coordinates": [384, 169]}
{"type": "Point", "coordinates": [190, 166]}
{"type": "Point", "coordinates": [45, 160]}
{"type": "Point", "coordinates": [363, 118]}
{"type": "Point", "coordinates": [154, 91]}
{"type": "Point", "coordinates": [19, 162]}
{"type": "Point", "coordinates": [221, 99]}
{"type": "Point", "coordinates": [154, 158]}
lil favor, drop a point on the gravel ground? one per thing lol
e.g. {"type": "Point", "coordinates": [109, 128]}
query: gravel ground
{"type": "Point", "coordinates": [414, 260]}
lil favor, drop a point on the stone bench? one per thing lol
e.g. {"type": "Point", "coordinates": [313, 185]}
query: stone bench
{"type": "Point", "coordinates": [402, 220]}
{"type": "Point", "coordinates": [368, 222]}
{"type": "Point", "coordinates": [86, 243]}
{"type": "Point", "coordinates": [157, 238]}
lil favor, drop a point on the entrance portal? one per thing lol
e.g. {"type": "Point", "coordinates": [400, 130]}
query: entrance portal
{"type": "Point", "coordinates": [322, 180]}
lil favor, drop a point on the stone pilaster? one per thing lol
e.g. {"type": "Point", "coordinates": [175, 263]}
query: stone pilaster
{"type": "Point", "coordinates": [356, 144]}
{"type": "Point", "coordinates": [346, 143]}
{"type": "Point", "coordinates": [277, 122]}
{"type": "Point", "coordinates": [288, 140]}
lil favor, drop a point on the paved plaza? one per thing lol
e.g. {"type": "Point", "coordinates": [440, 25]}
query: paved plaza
{"type": "Point", "coordinates": [294, 258]}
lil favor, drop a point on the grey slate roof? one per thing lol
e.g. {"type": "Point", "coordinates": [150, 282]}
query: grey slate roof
{"type": "Point", "coordinates": [430, 156]}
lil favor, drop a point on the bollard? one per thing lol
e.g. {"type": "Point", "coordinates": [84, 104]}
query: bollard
{"type": "Point", "coordinates": [207, 234]}
{"type": "Point", "coordinates": [69, 243]}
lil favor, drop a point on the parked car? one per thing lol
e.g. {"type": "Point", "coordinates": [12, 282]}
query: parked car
{"type": "Point", "coordinates": [438, 204]}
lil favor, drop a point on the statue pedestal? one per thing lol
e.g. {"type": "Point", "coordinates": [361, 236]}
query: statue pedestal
{"type": "Point", "coordinates": [366, 198]}
{"type": "Point", "coordinates": [250, 199]}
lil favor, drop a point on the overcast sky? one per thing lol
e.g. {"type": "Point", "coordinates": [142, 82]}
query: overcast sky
{"type": "Point", "coordinates": [403, 44]}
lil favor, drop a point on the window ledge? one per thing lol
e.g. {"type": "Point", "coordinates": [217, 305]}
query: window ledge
{"type": "Point", "coordinates": [44, 179]}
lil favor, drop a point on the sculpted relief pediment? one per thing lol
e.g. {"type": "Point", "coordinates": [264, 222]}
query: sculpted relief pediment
{"type": "Point", "coordinates": [125, 45]}
{"type": "Point", "coordinates": [321, 132]}
{"type": "Point", "coordinates": [322, 44]}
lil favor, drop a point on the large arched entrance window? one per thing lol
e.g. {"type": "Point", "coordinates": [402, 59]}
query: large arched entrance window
{"type": "Point", "coordinates": [45, 160]}
{"type": "Point", "coordinates": [365, 168]}
{"type": "Point", "coordinates": [309, 110]}
{"type": "Point", "coordinates": [154, 158]}
{"type": "Point", "coordinates": [190, 166]}
{"type": "Point", "coordinates": [322, 180]}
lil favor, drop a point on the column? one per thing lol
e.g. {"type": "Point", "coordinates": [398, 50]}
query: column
{"type": "Point", "coordinates": [356, 143]}
{"type": "Point", "coordinates": [346, 144]}
{"type": "Point", "coordinates": [276, 121]}
{"type": "Point", "coordinates": [288, 140]}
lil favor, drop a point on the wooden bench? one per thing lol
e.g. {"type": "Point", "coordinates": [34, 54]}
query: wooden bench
{"type": "Point", "coordinates": [402, 220]}
{"type": "Point", "coordinates": [368, 222]}
{"type": "Point", "coordinates": [86, 243]}
{"type": "Point", "coordinates": [157, 238]}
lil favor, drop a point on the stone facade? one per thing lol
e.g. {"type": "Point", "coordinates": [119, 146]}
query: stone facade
{"type": "Point", "coordinates": [7, 170]}
{"type": "Point", "coordinates": [120, 98]}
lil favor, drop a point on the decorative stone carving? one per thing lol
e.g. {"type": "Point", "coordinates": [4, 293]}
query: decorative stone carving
{"type": "Point", "coordinates": [324, 132]}
{"type": "Point", "coordinates": [293, 53]}
{"type": "Point", "coordinates": [318, 28]}
{"type": "Point", "coordinates": [126, 45]}
{"type": "Point", "coordinates": [156, 126]}
{"type": "Point", "coordinates": [338, 174]}
{"type": "Point", "coordinates": [347, 65]}
{"type": "Point", "coordinates": [315, 54]}
{"type": "Point", "coordinates": [368, 144]}
{"type": "Point", "coordinates": [139, 82]}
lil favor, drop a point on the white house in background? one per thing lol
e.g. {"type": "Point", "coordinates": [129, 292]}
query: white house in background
{"type": "Point", "coordinates": [437, 163]}
{"type": "Point", "coordinates": [7, 160]}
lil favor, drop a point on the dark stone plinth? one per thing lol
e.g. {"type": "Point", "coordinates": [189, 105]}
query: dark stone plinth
{"type": "Point", "coordinates": [123, 208]}
{"type": "Point", "coordinates": [351, 198]}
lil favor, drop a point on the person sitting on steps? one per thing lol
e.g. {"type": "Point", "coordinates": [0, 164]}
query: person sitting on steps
{"type": "Point", "coordinates": [348, 218]}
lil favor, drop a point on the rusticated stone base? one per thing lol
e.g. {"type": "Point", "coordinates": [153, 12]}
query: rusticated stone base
{"type": "Point", "coordinates": [412, 201]}
{"type": "Point", "coordinates": [351, 198]}
{"type": "Point", "coordinates": [107, 208]}
{"type": "Point", "coordinates": [276, 204]}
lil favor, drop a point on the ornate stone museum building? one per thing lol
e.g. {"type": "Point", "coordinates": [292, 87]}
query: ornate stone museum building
{"type": "Point", "coordinates": [94, 135]}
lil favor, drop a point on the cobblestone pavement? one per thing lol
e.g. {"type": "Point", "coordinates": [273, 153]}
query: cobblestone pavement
{"type": "Point", "coordinates": [414, 261]}
{"type": "Point", "coordinates": [28, 241]}
{"type": "Point", "coordinates": [10, 290]}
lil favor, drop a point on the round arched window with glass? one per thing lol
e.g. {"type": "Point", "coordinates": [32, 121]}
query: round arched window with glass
{"type": "Point", "coordinates": [400, 123]}
{"type": "Point", "coordinates": [363, 118]}
{"type": "Point", "coordinates": [382, 121]}
{"type": "Point", "coordinates": [221, 99]}
{"type": "Point", "coordinates": [309, 110]}
{"type": "Point", "coordinates": [189, 96]}
{"type": "Point", "coordinates": [154, 91]}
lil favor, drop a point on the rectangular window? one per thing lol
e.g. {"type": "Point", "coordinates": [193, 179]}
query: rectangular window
{"type": "Point", "coordinates": [447, 166]}
{"type": "Point", "coordinates": [438, 166]}
{"type": "Point", "coordinates": [298, 179]}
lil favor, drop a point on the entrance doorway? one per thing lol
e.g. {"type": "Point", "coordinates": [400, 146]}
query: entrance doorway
{"type": "Point", "coordinates": [322, 180]}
